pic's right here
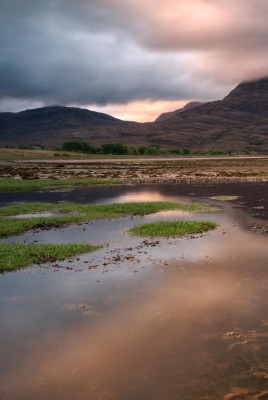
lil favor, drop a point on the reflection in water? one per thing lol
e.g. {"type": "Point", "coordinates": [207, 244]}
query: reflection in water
{"type": "Point", "coordinates": [147, 195]}
{"type": "Point", "coordinates": [192, 328]}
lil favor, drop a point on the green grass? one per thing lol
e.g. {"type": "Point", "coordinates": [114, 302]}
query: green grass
{"type": "Point", "coordinates": [81, 213]}
{"type": "Point", "coordinates": [224, 198]}
{"type": "Point", "coordinates": [17, 255]}
{"type": "Point", "coordinates": [96, 211]}
{"type": "Point", "coordinates": [16, 185]}
{"type": "Point", "coordinates": [172, 228]}
{"type": "Point", "coordinates": [15, 226]}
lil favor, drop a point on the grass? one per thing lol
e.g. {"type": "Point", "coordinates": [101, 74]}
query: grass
{"type": "Point", "coordinates": [16, 185]}
{"type": "Point", "coordinates": [6, 153]}
{"type": "Point", "coordinates": [17, 255]}
{"type": "Point", "coordinates": [81, 213]}
{"type": "Point", "coordinates": [10, 154]}
{"type": "Point", "coordinates": [172, 228]}
{"type": "Point", "coordinates": [224, 198]}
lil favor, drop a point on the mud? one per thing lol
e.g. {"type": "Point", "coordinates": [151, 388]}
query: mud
{"type": "Point", "coordinates": [173, 170]}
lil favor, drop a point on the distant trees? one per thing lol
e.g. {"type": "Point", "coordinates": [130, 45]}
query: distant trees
{"type": "Point", "coordinates": [186, 152]}
{"type": "Point", "coordinates": [153, 150]}
{"type": "Point", "coordinates": [115, 148]}
{"type": "Point", "coordinates": [79, 147]}
{"type": "Point", "coordinates": [110, 148]}
{"type": "Point", "coordinates": [124, 149]}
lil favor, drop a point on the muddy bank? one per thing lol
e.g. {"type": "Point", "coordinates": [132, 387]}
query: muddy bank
{"type": "Point", "coordinates": [131, 171]}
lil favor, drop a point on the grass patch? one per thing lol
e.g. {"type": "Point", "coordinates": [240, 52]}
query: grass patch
{"type": "Point", "coordinates": [109, 210]}
{"type": "Point", "coordinates": [17, 255]}
{"type": "Point", "coordinates": [224, 198]}
{"type": "Point", "coordinates": [9, 154]}
{"type": "Point", "coordinates": [15, 185]}
{"type": "Point", "coordinates": [81, 213]}
{"type": "Point", "coordinates": [172, 228]}
{"type": "Point", "coordinates": [15, 226]}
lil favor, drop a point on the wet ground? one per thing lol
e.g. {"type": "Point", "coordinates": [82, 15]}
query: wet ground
{"type": "Point", "coordinates": [162, 319]}
{"type": "Point", "coordinates": [142, 170]}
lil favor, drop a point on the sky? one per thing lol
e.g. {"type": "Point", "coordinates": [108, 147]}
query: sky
{"type": "Point", "coordinates": [133, 59]}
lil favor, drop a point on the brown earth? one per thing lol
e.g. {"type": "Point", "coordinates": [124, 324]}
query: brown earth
{"type": "Point", "coordinates": [136, 170]}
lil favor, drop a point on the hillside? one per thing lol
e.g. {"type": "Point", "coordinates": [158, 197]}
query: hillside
{"type": "Point", "coordinates": [51, 126]}
{"type": "Point", "coordinates": [238, 122]}
{"type": "Point", "coordinates": [188, 106]}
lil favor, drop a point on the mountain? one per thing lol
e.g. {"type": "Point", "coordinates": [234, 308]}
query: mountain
{"type": "Point", "coordinates": [51, 126]}
{"type": "Point", "coordinates": [238, 122]}
{"type": "Point", "coordinates": [167, 115]}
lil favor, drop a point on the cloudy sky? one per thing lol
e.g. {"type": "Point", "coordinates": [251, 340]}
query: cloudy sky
{"type": "Point", "coordinates": [130, 58]}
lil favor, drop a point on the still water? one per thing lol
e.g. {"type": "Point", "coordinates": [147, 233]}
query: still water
{"type": "Point", "coordinates": [142, 319]}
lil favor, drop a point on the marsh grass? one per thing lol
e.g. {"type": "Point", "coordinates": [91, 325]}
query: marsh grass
{"type": "Point", "coordinates": [10, 225]}
{"type": "Point", "coordinates": [15, 226]}
{"type": "Point", "coordinates": [172, 228]}
{"type": "Point", "coordinates": [17, 255]}
{"type": "Point", "coordinates": [16, 185]}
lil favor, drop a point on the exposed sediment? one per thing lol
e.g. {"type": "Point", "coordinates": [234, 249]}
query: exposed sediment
{"type": "Point", "coordinates": [133, 171]}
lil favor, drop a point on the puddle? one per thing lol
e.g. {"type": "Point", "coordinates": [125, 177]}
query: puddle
{"type": "Point", "coordinates": [179, 318]}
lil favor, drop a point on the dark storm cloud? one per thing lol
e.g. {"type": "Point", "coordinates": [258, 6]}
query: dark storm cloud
{"type": "Point", "coordinates": [100, 51]}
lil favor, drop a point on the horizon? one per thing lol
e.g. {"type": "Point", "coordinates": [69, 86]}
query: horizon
{"type": "Point", "coordinates": [131, 60]}
{"type": "Point", "coordinates": [100, 110]}
{"type": "Point", "coordinates": [123, 115]}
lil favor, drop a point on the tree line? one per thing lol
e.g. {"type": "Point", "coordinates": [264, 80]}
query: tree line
{"type": "Point", "coordinates": [78, 146]}
{"type": "Point", "coordinates": [110, 148]}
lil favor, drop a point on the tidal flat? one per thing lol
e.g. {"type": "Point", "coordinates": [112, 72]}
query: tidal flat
{"type": "Point", "coordinates": [135, 170]}
{"type": "Point", "coordinates": [144, 318]}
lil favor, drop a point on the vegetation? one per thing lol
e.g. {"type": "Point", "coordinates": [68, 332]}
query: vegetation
{"type": "Point", "coordinates": [72, 212]}
{"type": "Point", "coordinates": [112, 149]}
{"type": "Point", "coordinates": [83, 149]}
{"type": "Point", "coordinates": [79, 147]}
{"type": "Point", "coordinates": [34, 153]}
{"type": "Point", "coordinates": [115, 148]}
{"type": "Point", "coordinates": [17, 255]}
{"type": "Point", "coordinates": [172, 228]}
{"type": "Point", "coordinates": [103, 210]}
{"type": "Point", "coordinates": [16, 185]}
{"type": "Point", "coordinates": [124, 149]}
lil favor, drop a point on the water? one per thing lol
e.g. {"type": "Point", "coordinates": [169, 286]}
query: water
{"type": "Point", "coordinates": [142, 319]}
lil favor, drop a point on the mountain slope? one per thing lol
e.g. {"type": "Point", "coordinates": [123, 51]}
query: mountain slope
{"type": "Point", "coordinates": [55, 124]}
{"type": "Point", "coordinates": [238, 122]}
{"type": "Point", "coordinates": [170, 114]}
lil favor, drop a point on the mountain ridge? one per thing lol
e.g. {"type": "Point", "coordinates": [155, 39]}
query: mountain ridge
{"type": "Point", "coordinates": [239, 121]}
{"type": "Point", "coordinates": [169, 114]}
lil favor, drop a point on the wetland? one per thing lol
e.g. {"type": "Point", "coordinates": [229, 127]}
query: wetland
{"type": "Point", "coordinates": [174, 318]}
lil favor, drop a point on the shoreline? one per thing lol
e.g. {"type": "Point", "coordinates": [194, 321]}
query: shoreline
{"type": "Point", "coordinates": [142, 171]}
